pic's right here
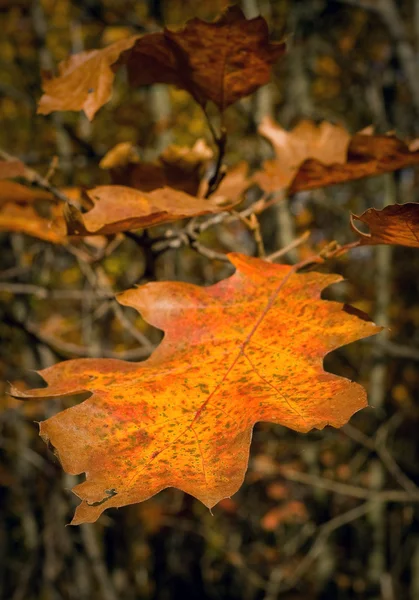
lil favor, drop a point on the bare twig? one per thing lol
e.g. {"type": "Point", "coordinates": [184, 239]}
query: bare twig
{"type": "Point", "coordinates": [34, 178]}
{"type": "Point", "coordinates": [294, 244]}
{"type": "Point", "coordinates": [353, 491]}
{"type": "Point", "coordinates": [324, 532]}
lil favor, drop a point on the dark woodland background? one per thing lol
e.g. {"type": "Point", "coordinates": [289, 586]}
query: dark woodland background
{"type": "Point", "coordinates": [352, 62]}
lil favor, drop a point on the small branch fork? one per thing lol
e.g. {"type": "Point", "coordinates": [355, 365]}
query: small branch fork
{"type": "Point", "coordinates": [34, 178]}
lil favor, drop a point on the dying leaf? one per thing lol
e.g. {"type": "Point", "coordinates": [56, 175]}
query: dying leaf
{"type": "Point", "coordinates": [397, 224]}
{"type": "Point", "coordinates": [247, 349]}
{"type": "Point", "coordinates": [19, 210]}
{"type": "Point", "coordinates": [26, 219]}
{"type": "Point", "coordinates": [221, 61]}
{"type": "Point", "coordinates": [234, 183]}
{"type": "Point", "coordinates": [118, 208]}
{"type": "Point", "coordinates": [181, 168]}
{"type": "Point", "coordinates": [12, 192]}
{"type": "Point", "coordinates": [326, 143]}
{"type": "Point", "coordinates": [311, 156]}
{"type": "Point", "coordinates": [84, 80]}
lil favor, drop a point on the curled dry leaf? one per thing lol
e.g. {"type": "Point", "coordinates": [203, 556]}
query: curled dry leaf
{"type": "Point", "coordinates": [26, 219]}
{"type": "Point", "coordinates": [312, 156]}
{"type": "Point", "coordinates": [397, 224]}
{"type": "Point", "coordinates": [181, 168]}
{"type": "Point", "coordinates": [20, 212]}
{"type": "Point", "coordinates": [12, 192]}
{"type": "Point", "coordinates": [326, 143]}
{"type": "Point", "coordinates": [221, 61]}
{"type": "Point", "coordinates": [84, 80]}
{"type": "Point", "coordinates": [247, 349]}
{"type": "Point", "coordinates": [118, 208]}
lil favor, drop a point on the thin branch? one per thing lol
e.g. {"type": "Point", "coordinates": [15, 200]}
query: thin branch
{"type": "Point", "coordinates": [294, 244]}
{"type": "Point", "coordinates": [346, 489]}
{"type": "Point", "coordinates": [324, 532]}
{"type": "Point", "coordinates": [34, 178]}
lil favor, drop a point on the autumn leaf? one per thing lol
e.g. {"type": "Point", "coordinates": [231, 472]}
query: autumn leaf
{"type": "Point", "coordinates": [84, 80]}
{"type": "Point", "coordinates": [26, 219]}
{"type": "Point", "coordinates": [325, 143]}
{"type": "Point", "coordinates": [12, 192]}
{"type": "Point", "coordinates": [119, 208]}
{"type": "Point", "coordinates": [396, 224]}
{"type": "Point", "coordinates": [181, 168]}
{"type": "Point", "coordinates": [312, 156]}
{"type": "Point", "coordinates": [247, 349]}
{"type": "Point", "coordinates": [19, 213]}
{"type": "Point", "coordinates": [221, 61]}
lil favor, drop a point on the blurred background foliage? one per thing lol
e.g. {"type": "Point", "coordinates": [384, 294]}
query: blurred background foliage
{"type": "Point", "coordinates": [349, 62]}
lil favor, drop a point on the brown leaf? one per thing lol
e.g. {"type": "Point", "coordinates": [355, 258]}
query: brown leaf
{"type": "Point", "coordinates": [396, 224]}
{"type": "Point", "coordinates": [221, 61]}
{"type": "Point", "coordinates": [181, 168]}
{"type": "Point", "coordinates": [311, 156]}
{"type": "Point", "coordinates": [118, 208]}
{"type": "Point", "coordinates": [326, 144]}
{"type": "Point", "coordinates": [84, 80]}
{"type": "Point", "coordinates": [25, 219]}
{"type": "Point", "coordinates": [368, 155]}
{"type": "Point", "coordinates": [234, 183]}
{"type": "Point", "coordinates": [11, 191]}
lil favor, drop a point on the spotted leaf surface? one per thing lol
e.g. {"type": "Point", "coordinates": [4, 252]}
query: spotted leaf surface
{"type": "Point", "coordinates": [247, 349]}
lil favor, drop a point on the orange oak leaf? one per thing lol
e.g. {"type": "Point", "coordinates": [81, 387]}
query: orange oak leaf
{"type": "Point", "coordinates": [84, 80]}
{"type": "Point", "coordinates": [181, 168]}
{"type": "Point", "coordinates": [247, 349]}
{"type": "Point", "coordinates": [118, 208]}
{"type": "Point", "coordinates": [312, 156]}
{"type": "Point", "coordinates": [221, 61]}
{"type": "Point", "coordinates": [396, 224]}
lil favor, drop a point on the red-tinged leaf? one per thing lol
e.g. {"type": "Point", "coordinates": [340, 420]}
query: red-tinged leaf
{"type": "Point", "coordinates": [311, 156]}
{"type": "Point", "coordinates": [118, 208]}
{"type": "Point", "coordinates": [181, 168]}
{"type": "Point", "coordinates": [247, 349]}
{"type": "Point", "coordinates": [397, 224]}
{"type": "Point", "coordinates": [221, 61]}
{"type": "Point", "coordinates": [84, 80]}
